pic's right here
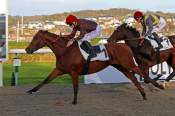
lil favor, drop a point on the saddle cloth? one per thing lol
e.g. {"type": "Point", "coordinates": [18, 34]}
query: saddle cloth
{"type": "Point", "coordinates": [165, 43]}
{"type": "Point", "coordinates": [101, 56]}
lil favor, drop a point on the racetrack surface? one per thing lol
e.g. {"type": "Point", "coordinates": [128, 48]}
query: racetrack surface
{"type": "Point", "coordinates": [93, 100]}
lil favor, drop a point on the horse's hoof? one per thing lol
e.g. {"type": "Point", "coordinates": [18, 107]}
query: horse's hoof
{"type": "Point", "coordinates": [30, 92]}
{"type": "Point", "coordinates": [161, 87]}
{"type": "Point", "coordinates": [74, 103]}
{"type": "Point", "coordinates": [144, 98]}
{"type": "Point", "coordinates": [166, 85]}
{"type": "Point", "coordinates": [146, 81]}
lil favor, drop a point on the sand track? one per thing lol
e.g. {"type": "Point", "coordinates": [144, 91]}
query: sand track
{"type": "Point", "coordinates": [93, 100]}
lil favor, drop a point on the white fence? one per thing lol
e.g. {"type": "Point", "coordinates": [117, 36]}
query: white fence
{"type": "Point", "coordinates": [22, 51]}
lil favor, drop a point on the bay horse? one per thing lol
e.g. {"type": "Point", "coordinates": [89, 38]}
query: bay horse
{"type": "Point", "coordinates": [131, 37]}
{"type": "Point", "coordinates": [70, 61]}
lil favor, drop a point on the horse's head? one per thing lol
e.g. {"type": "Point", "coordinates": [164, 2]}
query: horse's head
{"type": "Point", "coordinates": [36, 43]}
{"type": "Point", "coordinates": [123, 32]}
{"type": "Point", "coordinates": [45, 38]}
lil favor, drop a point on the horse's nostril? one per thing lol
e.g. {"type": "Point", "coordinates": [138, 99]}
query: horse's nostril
{"type": "Point", "coordinates": [29, 51]}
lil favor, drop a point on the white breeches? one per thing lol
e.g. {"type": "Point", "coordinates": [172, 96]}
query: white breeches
{"type": "Point", "coordinates": [92, 34]}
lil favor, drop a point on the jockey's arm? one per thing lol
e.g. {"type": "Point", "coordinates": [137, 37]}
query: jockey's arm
{"type": "Point", "coordinates": [149, 24]}
{"type": "Point", "coordinates": [82, 34]}
{"type": "Point", "coordinates": [72, 35]}
{"type": "Point", "coordinates": [144, 30]}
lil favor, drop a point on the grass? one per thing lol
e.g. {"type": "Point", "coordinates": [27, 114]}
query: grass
{"type": "Point", "coordinates": [34, 73]}
{"type": "Point", "coordinates": [17, 45]}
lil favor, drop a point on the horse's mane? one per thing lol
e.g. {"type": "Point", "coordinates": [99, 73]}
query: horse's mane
{"type": "Point", "coordinates": [53, 35]}
{"type": "Point", "coordinates": [130, 28]}
{"type": "Point", "coordinates": [49, 33]}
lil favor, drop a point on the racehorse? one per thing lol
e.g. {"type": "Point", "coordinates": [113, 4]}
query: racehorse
{"type": "Point", "coordinates": [131, 37]}
{"type": "Point", "coordinates": [70, 61]}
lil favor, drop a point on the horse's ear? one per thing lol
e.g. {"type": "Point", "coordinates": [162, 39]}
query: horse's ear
{"type": "Point", "coordinates": [40, 31]}
{"type": "Point", "coordinates": [45, 31]}
{"type": "Point", "coordinates": [126, 25]}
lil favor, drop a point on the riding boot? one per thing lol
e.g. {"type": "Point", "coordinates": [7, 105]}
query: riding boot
{"type": "Point", "coordinates": [89, 48]}
{"type": "Point", "coordinates": [92, 53]}
{"type": "Point", "coordinates": [157, 39]}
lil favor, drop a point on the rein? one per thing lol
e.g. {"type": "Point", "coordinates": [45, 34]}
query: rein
{"type": "Point", "coordinates": [130, 39]}
{"type": "Point", "coordinates": [54, 40]}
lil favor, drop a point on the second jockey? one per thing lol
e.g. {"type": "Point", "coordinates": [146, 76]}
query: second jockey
{"type": "Point", "coordinates": [88, 30]}
{"type": "Point", "coordinates": [151, 25]}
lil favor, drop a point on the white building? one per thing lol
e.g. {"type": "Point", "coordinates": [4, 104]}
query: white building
{"type": "Point", "coordinates": [35, 25]}
{"type": "Point", "coordinates": [92, 19]}
{"type": "Point", "coordinates": [59, 23]}
{"type": "Point", "coordinates": [48, 25]}
{"type": "Point", "coordinates": [106, 18]}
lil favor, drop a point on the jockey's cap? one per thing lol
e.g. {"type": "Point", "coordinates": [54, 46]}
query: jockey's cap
{"type": "Point", "coordinates": [70, 19]}
{"type": "Point", "coordinates": [137, 15]}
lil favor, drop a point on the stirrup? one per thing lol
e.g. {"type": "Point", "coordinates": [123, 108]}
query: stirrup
{"type": "Point", "coordinates": [159, 46]}
{"type": "Point", "coordinates": [92, 55]}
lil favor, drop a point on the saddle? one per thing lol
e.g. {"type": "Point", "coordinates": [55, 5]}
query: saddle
{"type": "Point", "coordinates": [150, 48]}
{"type": "Point", "coordinates": [91, 49]}
{"type": "Point", "coordinates": [163, 40]}
{"type": "Point", "coordinates": [145, 50]}
{"type": "Point", "coordinates": [92, 53]}
{"type": "Point", "coordinates": [97, 52]}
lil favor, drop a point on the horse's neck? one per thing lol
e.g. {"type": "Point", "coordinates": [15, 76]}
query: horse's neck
{"type": "Point", "coordinates": [56, 48]}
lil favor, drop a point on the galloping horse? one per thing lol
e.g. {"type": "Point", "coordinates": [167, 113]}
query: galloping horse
{"type": "Point", "coordinates": [70, 61]}
{"type": "Point", "coordinates": [131, 37]}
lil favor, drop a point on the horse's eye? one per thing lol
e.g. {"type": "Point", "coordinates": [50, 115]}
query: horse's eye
{"type": "Point", "coordinates": [117, 30]}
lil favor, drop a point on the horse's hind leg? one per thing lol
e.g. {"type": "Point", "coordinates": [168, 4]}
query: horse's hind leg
{"type": "Point", "coordinates": [130, 76]}
{"type": "Point", "coordinates": [171, 62]}
{"type": "Point", "coordinates": [170, 76]}
{"type": "Point", "coordinates": [51, 76]}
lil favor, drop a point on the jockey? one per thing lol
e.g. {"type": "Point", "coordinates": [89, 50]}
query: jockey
{"type": "Point", "coordinates": [88, 30]}
{"type": "Point", "coordinates": [151, 25]}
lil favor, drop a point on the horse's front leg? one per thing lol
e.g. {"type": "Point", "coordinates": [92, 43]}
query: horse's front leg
{"type": "Point", "coordinates": [131, 76]}
{"type": "Point", "coordinates": [144, 68]}
{"type": "Point", "coordinates": [51, 76]}
{"type": "Point", "coordinates": [75, 86]}
{"type": "Point", "coordinates": [147, 78]}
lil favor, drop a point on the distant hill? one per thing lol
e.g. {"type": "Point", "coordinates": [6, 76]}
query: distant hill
{"type": "Point", "coordinates": [119, 12]}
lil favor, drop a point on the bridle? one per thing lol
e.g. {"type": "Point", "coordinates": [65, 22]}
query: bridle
{"type": "Point", "coordinates": [54, 41]}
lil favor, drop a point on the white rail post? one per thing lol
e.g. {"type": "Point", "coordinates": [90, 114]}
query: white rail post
{"type": "Point", "coordinates": [1, 74]}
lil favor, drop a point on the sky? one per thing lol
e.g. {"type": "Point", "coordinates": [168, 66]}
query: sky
{"type": "Point", "coordinates": [3, 6]}
{"type": "Point", "coordinates": [45, 7]}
